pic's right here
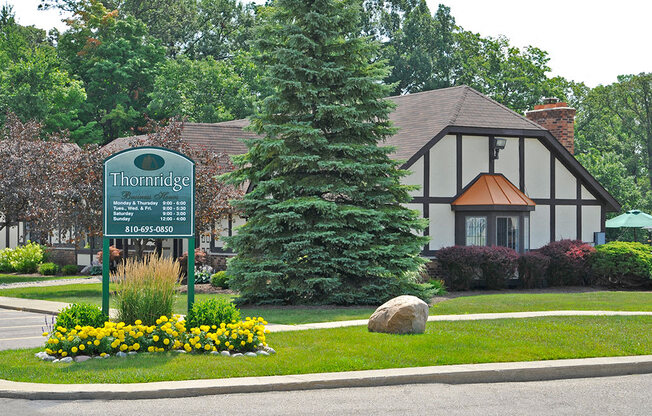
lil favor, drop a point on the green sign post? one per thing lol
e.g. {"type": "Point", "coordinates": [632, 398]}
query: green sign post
{"type": "Point", "coordinates": [149, 192]}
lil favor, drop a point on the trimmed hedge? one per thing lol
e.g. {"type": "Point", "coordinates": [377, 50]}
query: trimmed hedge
{"type": "Point", "coordinates": [532, 269]}
{"type": "Point", "coordinates": [569, 262]}
{"type": "Point", "coordinates": [465, 267]}
{"type": "Point", "coordinates": [623, 264]}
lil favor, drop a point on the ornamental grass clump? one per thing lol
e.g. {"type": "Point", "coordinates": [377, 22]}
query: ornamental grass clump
{"type": "Point", "coordinates": [145, 289]}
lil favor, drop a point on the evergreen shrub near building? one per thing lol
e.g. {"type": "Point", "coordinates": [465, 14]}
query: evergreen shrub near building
{"type": "Point", "coordinates": [569, 262]}
{"type": "Point", "coordinates": [466, 267]}
{"type": "Point", "coordinates": [48, 269]}
{"type": "Point", "coordinates": [622, 264]}
{"type": "Point", "coordinates": [325, 220]}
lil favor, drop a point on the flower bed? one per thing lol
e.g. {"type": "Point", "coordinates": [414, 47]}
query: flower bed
{"type": "Point", "coordinates": [245, 337]}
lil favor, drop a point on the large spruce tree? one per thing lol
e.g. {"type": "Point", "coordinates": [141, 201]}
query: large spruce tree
{"type": "Point", "coordinates": [325, 224]}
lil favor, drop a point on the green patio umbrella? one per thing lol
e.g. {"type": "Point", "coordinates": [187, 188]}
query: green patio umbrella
{"type": "Point", "coordinates": [631, 219]}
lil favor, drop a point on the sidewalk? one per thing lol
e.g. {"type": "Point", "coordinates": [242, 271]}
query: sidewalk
{"type": "Point", "coordinates": [48, 307]}
{"type": "Point", "coordinates": [447, 374]}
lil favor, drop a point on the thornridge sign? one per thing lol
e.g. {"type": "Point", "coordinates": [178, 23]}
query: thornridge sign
{"type": "Point", "coordinates": [149, 192]}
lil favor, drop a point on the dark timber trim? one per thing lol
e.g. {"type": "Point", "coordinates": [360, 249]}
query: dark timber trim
{"type": "Point", "coordinates": [458, 164]}
{"type": "Point", "coordinates": [432, 200]}
{"type": "Point", "coordinates": [552, 144]}
{"type": "Point", "coordinates": [583, 202]}
{"type": "Point", "coordinates": [492, 161]}
{"type": "Point", "coordinates": [553, 205]}
{"type": "Point", "coordinates": [492, 208]}
{"type": "Point", "coordinates": [578, 216]}
{"type": "Point", "coordinates": [426, 193]}
{"type": "Point", "coordinates": [521, 164]}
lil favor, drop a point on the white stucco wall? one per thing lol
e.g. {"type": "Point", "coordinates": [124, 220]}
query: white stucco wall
{"type": "Point", "coordinates": [442, 226]}
{"type": "Point", "coordinates": [565, 182]}
{"type": "Point", "coordinates": [540, 226]}
{"type": "Point", "coordinates": [419, 209]}
{"type": "Point", "coordinates": [590, 221]}
{"type": "Point", "coordinates": [566, 222]}
{"type": "Point", "coordinates": [475, 157]}
{"type": "Point", "coordinates": [443, 167]}
{"type": "Point", "coordinates": [416, 177]}
{"type": "Point", "coordinates": [537, 169]}
{"type": "Point", "coordinates": [586, 194]}
{"type": "Point", "coordinates": [507, 162]}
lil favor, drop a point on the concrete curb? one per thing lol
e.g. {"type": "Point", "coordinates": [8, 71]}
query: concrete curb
{"type": "Point", "coordinates": [449, 374]}
{"type": "Point", "coordinates": [39, 306]}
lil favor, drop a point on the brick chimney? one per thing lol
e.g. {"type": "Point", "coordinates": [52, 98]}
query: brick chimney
{"type": "Point", "coordinates": [558, 118]}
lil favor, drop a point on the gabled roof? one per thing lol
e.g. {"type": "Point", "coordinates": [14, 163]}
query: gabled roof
{"type": "Point", "coordinates": [492, 190]}
{"type": "Point", "coordinates": [420, 116]}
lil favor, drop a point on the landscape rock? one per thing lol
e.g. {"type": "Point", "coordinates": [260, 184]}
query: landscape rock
{"type": "Point", "coordinates": [66, 360]}
{"type": "Point", "coordinates": [225, 353]}
{"type": "Point", "coordinates": [261, 352]}
{"type": "Point", "coordinates": [215, 353]}
{"type": "Point", "coordinates": [132, 353]}
{"type": "Point", "coordinates": [120, 354]}
{"type": "Point", "coordinates": [82, 358]}
{"type": "Point", "coordinates": [250, 354]}
{"type": "Point", "coordinates": [270, 350]}
{"type": "Point", "coordinates": [180, 351]}
{"type": "Point", "coordinates": [48, 358]}
{"type": "Point", "coordinates": [55, 361]}
{"type": "Point", "coordinates": [401, 315]}
{"type": "Point", "coordinates": [237, 354]}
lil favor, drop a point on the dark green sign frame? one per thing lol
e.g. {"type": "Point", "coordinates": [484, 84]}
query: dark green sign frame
{"type": "Point", "coordinates": [149, 192]}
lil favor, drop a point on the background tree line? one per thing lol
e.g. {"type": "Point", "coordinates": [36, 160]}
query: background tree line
{"type": "Point", "coordinates": [122, 62]}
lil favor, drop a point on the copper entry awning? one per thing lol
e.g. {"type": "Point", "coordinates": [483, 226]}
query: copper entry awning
{"type": "Point", "coordinates": [492, 192]}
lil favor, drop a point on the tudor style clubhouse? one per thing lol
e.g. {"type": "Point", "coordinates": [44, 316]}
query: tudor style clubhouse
{"type": "Point", "coordinates": [487, 175]}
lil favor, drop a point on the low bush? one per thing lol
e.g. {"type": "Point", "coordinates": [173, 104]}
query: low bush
{"type": "Point", "coordinates": [220, 279]}
{"type": "Point", "coordinates": [70, 270]}
{"type": "Point", "coordinates": [466, 266]}
{"type": "Point", "coordinates": [214, 311]}
{"type": "Point", "coordinates": [48, 269]}
{"type": "Point", "coordinates": [569, 262]}
{"type": "Point", "coordinates": [622, 264]}
{"type": "Point", "coordinates": [164, 335]}
{"type": "Point", "coordinates": [145, 289]}
{"type": "Point", "coordinates": [81, 314]}
{"type": "Point", "coordinates": [532, 268]}
{"type": "Point", "coordinates": [203, 274]}
{"type": "Point", "coordinates": [22, 259]}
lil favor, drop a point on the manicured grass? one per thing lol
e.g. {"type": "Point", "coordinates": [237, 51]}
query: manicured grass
{"type": "Point", "coordinates": [12, 278]}
{"type": "Point", "coordinates": [623, 301]}
{"type": "Point", "coordinates": [610, 301]}
{"type": "Point", "coordinates": [353, 348]}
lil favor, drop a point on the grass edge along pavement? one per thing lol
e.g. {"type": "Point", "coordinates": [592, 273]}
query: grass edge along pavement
{"type": "Point", "coordinates": [12, 278]}
{"type": "Point", "coordinates": [353, 348]}
{"type": "Point", "coordinates": [491, 303]}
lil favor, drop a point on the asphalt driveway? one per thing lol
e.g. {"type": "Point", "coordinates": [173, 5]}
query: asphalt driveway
{"type": "Point", "coordinates": [22, 329]}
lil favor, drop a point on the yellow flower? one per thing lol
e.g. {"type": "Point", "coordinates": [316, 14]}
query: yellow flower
{"type": "Point", "coordinates": [82, 347]}
{"type": "Point", "coordinates": [136, 346]}
{"type": "Point", "coordinates": [138, 322]}
{"type": "Point", "coordinates": [73, 349]}
{"type": "Point", "coordinates": [63, 354]}
{"type": "Point", "coordinates": [242, 343]}
{"type": "Point", "coordinates": [198, 345]}
{"type": "Point", "coordinates": [164, 318]}
{"type": "Point", "coordinates": [230, 347]}
{"type": "Point", "coordinates": [96, 342]}
{"type": "Point", "coordinates": [102, 354]}
{"type": "Point", "coordinates": [227, 343]}
{"type": "Point", "coordinates": [166, 341]}
{"type": "Point", "coordinates": [155, 338]}
{"type": "Point", "coordinates": [45, 334]}
{"type": "Point", "coordinates": [207, 347]}
{"type": "Point", "coordinates": [123, 347]}
{"type": "Point", "coordinates": [70, 338]}
{"type": "Point", "coordinates": [150, 349]}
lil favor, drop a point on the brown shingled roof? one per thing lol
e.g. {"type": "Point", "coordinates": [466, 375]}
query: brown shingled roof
{"type": "Point", "coordinates": [418, 117]}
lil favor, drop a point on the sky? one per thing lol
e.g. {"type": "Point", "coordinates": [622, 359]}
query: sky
{"type": "Point", "coordinates": [592, 41]}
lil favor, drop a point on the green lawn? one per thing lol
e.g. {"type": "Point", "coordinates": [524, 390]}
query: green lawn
{"type": "Point", "coordinates": [625, 301]}
{"type": "Point", "coordinates": [353, 348]}
{"type": "Point", "coordinates": [610, 301]}
{"type": "Point", "coordinates": [12, 278]}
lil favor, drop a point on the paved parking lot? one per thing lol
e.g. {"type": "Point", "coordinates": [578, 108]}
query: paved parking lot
{"type": "Point", "coordinates": [22, 329]}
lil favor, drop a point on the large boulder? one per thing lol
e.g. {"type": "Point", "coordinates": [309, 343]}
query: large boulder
{"type": "Point", "coordinates": [401, 315]}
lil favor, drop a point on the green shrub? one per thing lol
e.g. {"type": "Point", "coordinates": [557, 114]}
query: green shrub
{"type": "Point", "coordinates": [48, 269]}
{"type": "Point", "coordinates": [82, 314]}
{"type": "Point", "coordinates": [569, 262]}
{"type": "Point", "coordinates": [212, 311]}
{"type": "Point", "coordinates": [5, 260]}
{"type": "Point", "coordinates": [220, 279]}
{"type": "Point", "coordinates": [532, 268]}
{"type": "Point", "coordinates": [438, 286]}
{"type": "Point", "coordinates": [69, 269]}
{"type": "Point", "coordinates": [145, 290]}
{"type": "Point", "coordinates": [622, 264]}
{"type": "Point", "coordinates": [25, 259]}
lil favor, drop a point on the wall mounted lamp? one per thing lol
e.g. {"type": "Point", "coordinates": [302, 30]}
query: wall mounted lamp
{"type": "Point", "coordinates": [499, 144]}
